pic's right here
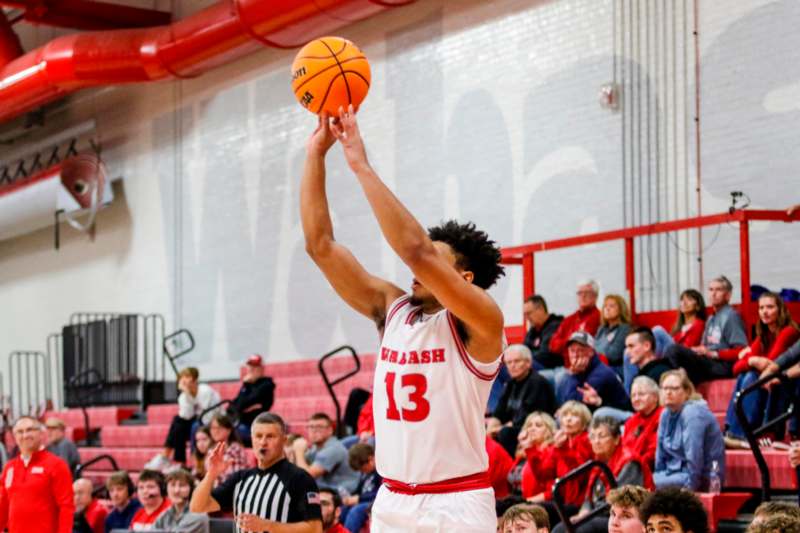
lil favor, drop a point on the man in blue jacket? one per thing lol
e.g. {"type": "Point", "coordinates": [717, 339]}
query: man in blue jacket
{"type": "Point", "coordinates": [588, 380]}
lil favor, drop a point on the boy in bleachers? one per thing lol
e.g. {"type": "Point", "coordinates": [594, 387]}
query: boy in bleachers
{"type": "Point", "coordinates": [326, 460]}
{"type": "Point", "coordinates": [151, 489]}
{"type": "Point", "coordinates": [674, 510]}
{"type": "Point", "coordinates": [331, 505]}
{"type": "Point", "coordinates": [120, 492]}
{"type": "Point", "coordinates": [623, 513]}
{"type": "Point", "coordinates": [524, 518]}
{"type": "Point", "coordinates": [180, 485]}
{"type": "Point", "coordinates": [362, 459]}
{"type": "Point", "coordinates": [770, 510]}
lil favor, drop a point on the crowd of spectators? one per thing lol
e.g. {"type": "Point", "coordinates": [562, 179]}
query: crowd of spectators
{"type": "Point", "coordinates": [625, 396]}
{"type": "Point", "coordinates": [593, 386]}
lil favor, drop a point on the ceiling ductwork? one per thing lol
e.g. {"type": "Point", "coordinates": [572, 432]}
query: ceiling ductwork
{"type": "Point", "coordinates": [73, 187]}
{"type": "Point", "coordinates": [187, 48]}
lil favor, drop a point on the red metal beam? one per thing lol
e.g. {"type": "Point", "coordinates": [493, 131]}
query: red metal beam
{"type": "Point", "coordinates": [207, 39]}
{"type": "Point", "coordinates": [10, 47]}
{"type": "Point", "coordinates": [744, 259]}
{"type": "Point", "coordinates": [630, 275]}
{"type": "Point", "coordinates": [638, 231]}
{"type": "Point", "coordinates": [87, 15]}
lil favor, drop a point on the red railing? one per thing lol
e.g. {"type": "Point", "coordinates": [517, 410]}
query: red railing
{"type": "Point", "coordinates": [525, 255]}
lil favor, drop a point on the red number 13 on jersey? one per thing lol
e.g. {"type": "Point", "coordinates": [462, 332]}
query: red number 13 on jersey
{"type": "Point", "coordinates": [416, 396]}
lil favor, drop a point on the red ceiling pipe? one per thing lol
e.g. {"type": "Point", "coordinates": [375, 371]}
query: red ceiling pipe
{"type": "Point", "coordinates": [88, 15]}
{"type": "Point", "coordinates": [186, 48]}
{"type": "Point", "coordinates": [10, 47]}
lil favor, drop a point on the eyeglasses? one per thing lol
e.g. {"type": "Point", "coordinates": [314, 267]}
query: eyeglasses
{"type": "Point", "coordinates": [22, 431]}
{"type": "Point", "coordinates": [671, 389]}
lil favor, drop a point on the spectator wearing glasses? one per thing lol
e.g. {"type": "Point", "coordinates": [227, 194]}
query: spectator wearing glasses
{"type": "Point", "coordinates": [689, 439]}
{"type": "Point", "coordinates": [586, 319]}
{"type": "Point", "coordinates": [524, 393]}
{"type": "Point", "coordinates": [326, 460]}
{"type": "Point", "coordinates": [36, 485]}
{"type": "Point", "coordinates": [625, 465]}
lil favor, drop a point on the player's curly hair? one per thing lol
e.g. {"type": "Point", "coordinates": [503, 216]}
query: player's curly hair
{"type": "Point", "coordinates": [473, 249]}
{"type": "Point", "coordinates": [681, 504]}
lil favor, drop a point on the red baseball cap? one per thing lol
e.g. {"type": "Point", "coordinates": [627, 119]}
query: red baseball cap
{"type": "Point", "coordinates": [255, 360]}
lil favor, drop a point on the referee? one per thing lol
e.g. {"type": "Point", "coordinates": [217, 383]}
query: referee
{"type": "Point", "coordinates": [276, 496]}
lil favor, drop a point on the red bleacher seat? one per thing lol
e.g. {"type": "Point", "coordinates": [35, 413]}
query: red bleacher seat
{"type": "Point", "coordinates": [717, 393]}
{"type": "Point", "coordinates": [134, 436]}
{"type": "Point", "coordinates": [161, 414]}
{"type": "Point", "coordinates": [98, 416]}
{"type": "Point", "coordinates": [724, 506]}
{"type": "Point", "coordinates": [741, 470]}
{"type": "Point", "coordinates": [126, 458]}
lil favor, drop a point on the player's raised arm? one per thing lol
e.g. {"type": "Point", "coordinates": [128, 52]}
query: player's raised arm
{"type": "Point", "coordinates": [364, 292]}
{"type": "Point", "coordinates": [452, 287]}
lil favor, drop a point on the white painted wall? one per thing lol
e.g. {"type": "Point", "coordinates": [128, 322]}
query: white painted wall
{"type": "Point", "coordinates": [479, 110]}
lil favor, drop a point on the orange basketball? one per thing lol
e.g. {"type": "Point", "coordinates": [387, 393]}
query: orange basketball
{"type": "Point", "coordinates": [328, 73]}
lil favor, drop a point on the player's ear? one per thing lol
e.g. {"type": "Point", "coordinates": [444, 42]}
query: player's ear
{"type": "Point", "coordinates": [468, 275]}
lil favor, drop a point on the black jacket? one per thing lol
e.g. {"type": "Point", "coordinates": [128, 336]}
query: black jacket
{"type": "Point", "coordinates": [260, 391]}
{"type": "Point", "coordinates": [538, 340]}
{"type": "Point", "coordinates": [521, 398]}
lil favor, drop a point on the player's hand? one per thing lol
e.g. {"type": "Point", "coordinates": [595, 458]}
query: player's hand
{"type": "Point", "coordinates": [792, 210]}
{"type": "Point", "coordinates": [215, 460]}
{"type": "Point", "coordinates": [322, 139]}
{"type": "Point", "coordinates": [347, 132]}
{"type": "Point", "coordinates": [590, 395]}
{"type": "Point", "coordinates": [252, 523]}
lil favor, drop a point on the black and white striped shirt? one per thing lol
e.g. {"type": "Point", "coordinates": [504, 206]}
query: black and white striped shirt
{"type": "Point", "coordinates": [281, 493]}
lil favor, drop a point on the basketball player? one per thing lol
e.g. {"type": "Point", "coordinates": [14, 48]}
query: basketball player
{"type": "Point", "coordinates": [440, 347]}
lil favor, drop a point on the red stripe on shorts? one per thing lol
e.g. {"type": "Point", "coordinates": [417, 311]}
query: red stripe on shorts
{"type": "Point", "coordinates": [459, 484]}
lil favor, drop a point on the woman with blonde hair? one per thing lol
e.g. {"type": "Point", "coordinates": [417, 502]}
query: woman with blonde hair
{"type": "Point", "coordinates": [690, 446]}
{"type": "Point", "coordinates": [615, 324]}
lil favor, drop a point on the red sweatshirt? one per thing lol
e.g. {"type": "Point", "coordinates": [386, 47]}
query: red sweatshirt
{"type": "Point", "coordinates": [691, 335]}
{"type": "Point", "coordinates": [541, 462]}
{"type": "Point", "coordinates": [786, 338]}
{"type": "Point", "coordinates": [36, 498]}
{"type": "Point", "coordinates": [366, 421]}
{"type": "Point", "coordinates": [96, 516]}
{"type": "Point", "coordinates": [500, 464]}
{"type": "Point", "coordinates": [641, 436]}
{"type": "Point", "coordinates": [588, 320]}
{"type": "Point", "coordinates": [552, 462]}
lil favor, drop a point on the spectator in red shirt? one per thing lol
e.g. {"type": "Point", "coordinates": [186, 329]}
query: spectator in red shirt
{"type": "Point", "coordinates": [536, 440]}
{"type": "Point", "coordinates": [571, 448]}
{"type": "Point", "coordinates": [586, 318]}
{"type": "Point", "coordinates": [90, 514]}
{"type": "Point", "coordinates": [499, 465]}
{"type": "Point", "coordinates": [688, 329]}
{"type": "Point", "coordinates": [150, 489]}
{"type": "Point", "coordinates": [330, 503]}
{"type": "Point", "coordinates": [776, 332]}
{"type": "Point", "coordinates": [36, 486]}
{"type": "Point", "coordinates": [641, 430]}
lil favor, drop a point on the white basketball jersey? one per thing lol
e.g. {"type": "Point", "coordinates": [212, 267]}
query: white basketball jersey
{"type": "Point", "coordinates": [429, 399]}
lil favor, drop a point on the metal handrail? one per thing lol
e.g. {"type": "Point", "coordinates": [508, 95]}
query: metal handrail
{"type": "Point", "coordinates": [558, 499]}
{"type": "Point", "coordinates": [217, 406]}
{"type": "Point", "coordinates": [329, 384]}
{"type": "Point", "coordinates": [167, 342]}
{"type": "Point", "coordinates": [752, 434]}
{"type": "Point", "coordinates": [85, 394]}
{"type": "Point", "coordinates": [105, 457]}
